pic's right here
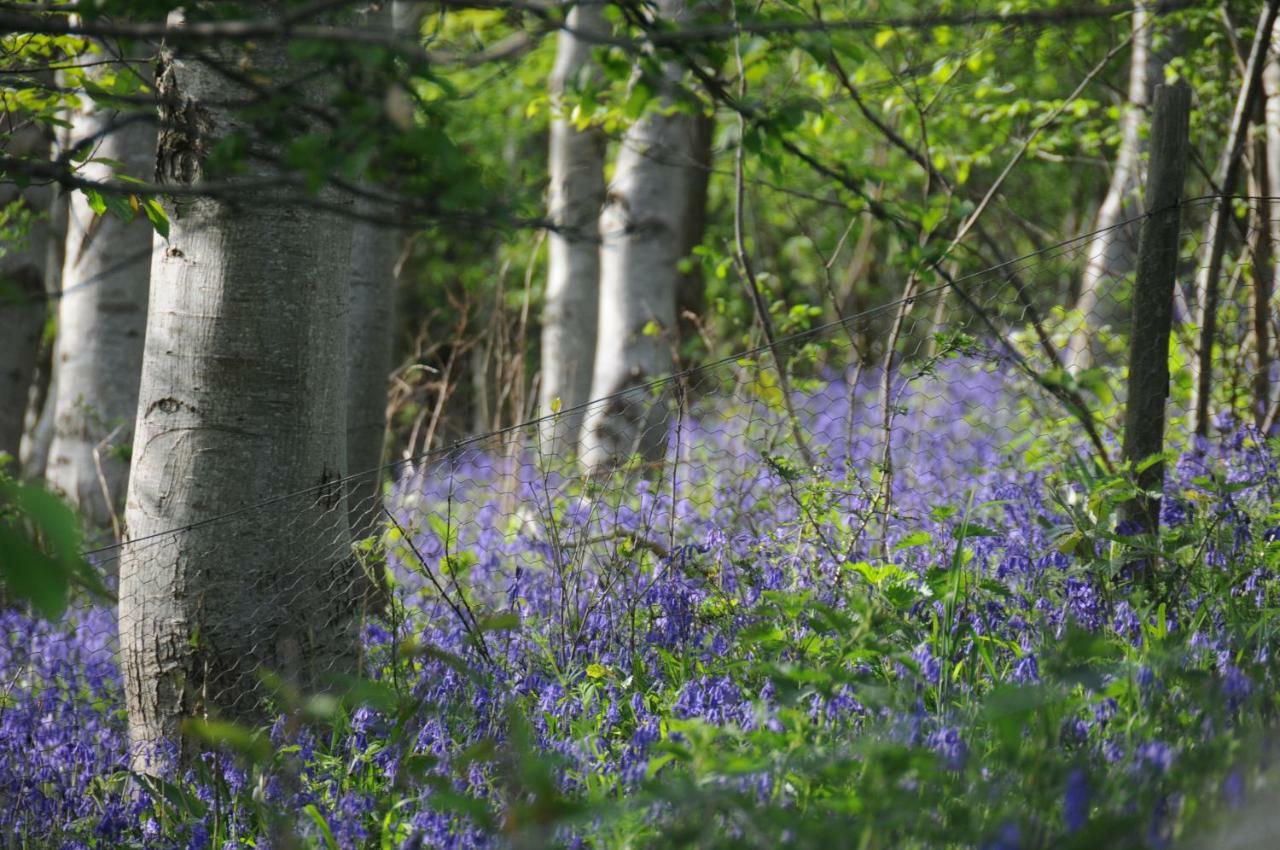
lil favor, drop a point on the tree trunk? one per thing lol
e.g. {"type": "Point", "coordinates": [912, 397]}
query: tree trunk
{"type": "Point", "coordinates": [1153, 301]}
{"type": "Point", "coordinates": [1215, 235]}
{"type": "Point", "coordinates": [1111, 250]}
{"type": "Point", "coordinates": [23, 306]}
{"type": "Point", "coordinates": [691, 296]}
{"type": "Point", "coordinates": [37, 431]}
{"type": "Point", "coordinates": [1260, 255]}
{"type": "Point", "coordinates": [642, 232]}
{"type": "Point", "coordinates": [374, 250]}
{"type": "Point", "coordinates": [242, 400]}
{"type": "Point", "coordinates": [370, 337]}
{"type": "Point", "coordinates": [101, 324]}
{"type": "Point", "coordinates": [1270, 207]}
{"type": "Point", "coordinates": [576, 195]}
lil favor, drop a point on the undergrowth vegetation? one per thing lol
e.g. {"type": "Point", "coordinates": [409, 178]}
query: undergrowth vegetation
{"type": "Point", "coordinates": [740, 652]}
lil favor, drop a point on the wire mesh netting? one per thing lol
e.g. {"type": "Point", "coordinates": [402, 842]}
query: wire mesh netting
{"type": "Point", "coordinates": [509, 553]}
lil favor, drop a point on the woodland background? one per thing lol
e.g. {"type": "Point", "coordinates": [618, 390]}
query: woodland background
{"type": "Point", "coordinates": [637, 424]}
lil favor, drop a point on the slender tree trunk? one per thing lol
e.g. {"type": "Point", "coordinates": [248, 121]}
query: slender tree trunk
{"type": "Point", "coordinates": [576, 166]}
{"type": "Point", "coordinates": [641, 232]}
{"type": "Point", "coordinates": [1112, 249]}
{"type": "Point", "coordinates": [1261, 251]}
{"type": "Point", "coordinates": [102, 316]}
{"type": "Point", "coordinates": [23, 306]}
{"type": "Point", "coordinates": [1153, 301]}
{"type": "Point", "coordinates": [242, 400]}
{"type": "Point", "coordinates": [691, 296]}
{"type": "Point", "coordinates": [1271, 187]}
{"type": "Point", "coordinates": [1215, 235]}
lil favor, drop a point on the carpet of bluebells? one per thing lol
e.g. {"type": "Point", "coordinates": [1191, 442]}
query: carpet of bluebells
{"type": "Point", "coordinates": [740, 652]}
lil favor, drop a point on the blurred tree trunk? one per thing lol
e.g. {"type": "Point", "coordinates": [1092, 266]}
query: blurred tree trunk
{"type": "Point", "coordinates": [37, 429]}
{"type": "Point", "coordinates": [102, 316]}
{"type": "Point", "coordinates": [642, 231]}
{"type": "Point", "coordinates": [23, 306]}
{"type": "Point", "coordinates": [576, 195]}
{"type": "Point", "coordinates": [242, 400]}
{"type": "Point", "coordinates": [1113, 248]}
{"type": "Point", "coordinates": [1225, 177]}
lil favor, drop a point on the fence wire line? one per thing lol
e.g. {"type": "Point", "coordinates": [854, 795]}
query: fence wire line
{"type": "Point", "coordinates": [1009, 266]}
{"type": "Point", "coordinates": [491, 526]}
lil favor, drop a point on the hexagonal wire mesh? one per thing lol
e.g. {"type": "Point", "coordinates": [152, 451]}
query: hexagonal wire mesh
{"type": "Point", "coordinates": [851, 453]}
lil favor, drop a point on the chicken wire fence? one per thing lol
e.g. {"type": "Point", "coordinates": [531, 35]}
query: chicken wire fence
{"type": "Point", "coordinates": [877, 424]}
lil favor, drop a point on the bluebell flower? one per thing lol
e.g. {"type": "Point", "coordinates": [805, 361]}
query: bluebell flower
{"type": "Point", "coordinates": [1155, 756]}
{"type": "Point", "coordinates": [1126, 623]}
{"type": "Point", "coordinates": [1026, 670]}
{"type": "Point", "coordinates": [1009, 838]}
{"type": "Point", "coordinates": [948, 744]}
{"type": "Point", "coordinates": [1233, 789]}
{"type": "Point", "coordinates": [930, 667]}
{"type": "Point", "coordinates": [1075, 801]}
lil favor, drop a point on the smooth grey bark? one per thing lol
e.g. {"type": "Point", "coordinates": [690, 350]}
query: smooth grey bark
{"type": "Point", "coordinates": [576, 195]}
{"type": "Point", "coordinates": [374, 250]}
{"type": "Point", "coordinates": [23, 306]}
{"type": "Point", "coordinates": [642, 236]}
{"type": "Point", "coordinates": [1226, 175]}
{"type": "Point", "coordinates": [1153, 300]}
{"type": "Point", "coordinates": [242, 400]}
{"type": "Point", "coordinates": [102, 314]}
{"type": "Point", "coordinates": [1110, 253]}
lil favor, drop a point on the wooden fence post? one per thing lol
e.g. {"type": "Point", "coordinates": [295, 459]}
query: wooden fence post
{"type": "Point", "coordinates": [1153, 299]}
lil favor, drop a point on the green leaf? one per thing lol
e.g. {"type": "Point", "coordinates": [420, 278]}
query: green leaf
{"type": "Point", "coordinates": [30, 574]}
{"type": "Point", "coordinates": [323, 825]}
{"type": "Point", "coordinates": [96, 202]}
{"type": "Point", "coordinates": [156, 215]}
{"type": "Point", "coordinates": [251, 743]}
{"type": "Point", "coordinates": [504, 622]}
{"type": "Point", "coordinates": [968, 529]}
{"type": "Point", "coordinates": [915, 538]}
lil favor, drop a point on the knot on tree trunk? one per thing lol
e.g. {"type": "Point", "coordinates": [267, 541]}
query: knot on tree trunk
{"type": "Point", "coordinates": [184, 128]}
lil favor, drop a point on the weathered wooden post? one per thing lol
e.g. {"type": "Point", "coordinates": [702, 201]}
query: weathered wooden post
{"type": "Point", "coordinates": [1153, 299]}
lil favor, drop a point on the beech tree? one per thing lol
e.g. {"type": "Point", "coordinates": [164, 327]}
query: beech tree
{"type": "Point", "coordinates": [374, 248]}
{"type": "Point", "coordinates": [1112, 250]}
{"type": "Point", "coordinates": [242, 399]}
{"type": "Point", "coordinates": [102, 315]}
{"type": "Point", "coordinates": [576, 195]}
{"type": "Point", "coordinates": [643, 231]}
